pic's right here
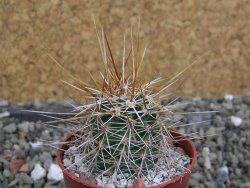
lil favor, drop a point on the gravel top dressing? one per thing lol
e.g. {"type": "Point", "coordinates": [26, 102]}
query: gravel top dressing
{"type": "Point", "coordinates": [222, 142]}
{"type": "Point", "coordinates": [168, 167]}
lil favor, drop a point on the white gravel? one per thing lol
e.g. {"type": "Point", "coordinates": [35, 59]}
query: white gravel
{"type": "Point", "coordinates": [236, 121]}
{"type": "Point", "coordinates": [55, 173]}
{"type": "Point", "coordinates": [38, 172]}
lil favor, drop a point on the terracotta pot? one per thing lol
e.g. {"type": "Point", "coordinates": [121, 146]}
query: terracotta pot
{"type": "Point", "coordinates": [181, 181]}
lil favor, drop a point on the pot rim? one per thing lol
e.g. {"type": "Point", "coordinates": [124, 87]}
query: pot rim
{"type": "Point", "coordinates": [187, 171]}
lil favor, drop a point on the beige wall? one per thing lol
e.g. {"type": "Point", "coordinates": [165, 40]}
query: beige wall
{"type": "Point", "coordinates": [175, 31]}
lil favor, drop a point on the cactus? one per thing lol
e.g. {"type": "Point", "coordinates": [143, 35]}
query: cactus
{"type": "Point", "coordinates": [123, 129]}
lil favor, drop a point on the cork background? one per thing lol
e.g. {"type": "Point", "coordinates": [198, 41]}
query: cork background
{"type": "Point", "coordinates": [176, 32]}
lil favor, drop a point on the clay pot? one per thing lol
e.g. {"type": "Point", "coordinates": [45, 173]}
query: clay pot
{"type": "Point", "coordinates": [181, 181]}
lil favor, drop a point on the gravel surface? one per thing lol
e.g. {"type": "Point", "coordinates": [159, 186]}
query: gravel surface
{"type": "Point", "coordinates": [173, 164]}
{"type": "Point", "coordinates": [223, 159]}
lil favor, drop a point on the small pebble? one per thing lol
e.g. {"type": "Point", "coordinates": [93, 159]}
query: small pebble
{"type": "Point", "coordinates": [222, 176]}
{"type": "Point", "coordinates": [15, 165]}
{"type": "Point", "coordinates": [236, 121]}
{"type": "Point", "coordinates": [98, 181]}
{"type": "Point", "coordinates": [55, 173]}
{"type": "Point", "coordinates": [36, 145]}
{"type": "Point", "coordinates": [4, 114]}
{"type": "Point", "coordinates": [228, 97]}
{"type": "Point", "coordinates": [23, 126]}
{"type": "Point", "coordinates": [6, 173]}
{"type": "Point", "coordinates": [158, 180]}
{"type": "Point", "coordinates": [25, 178]}
{"type": "Point", "coordinates": [14, 182]}
{"type": "Point", "coordinates": [24, 168]}
{"type": "Point", "coordinates": [3, 102]}
{"type": "Point", "coordinates": [38, 172]}
{"type": "Point", "coordinates": [11, 128]}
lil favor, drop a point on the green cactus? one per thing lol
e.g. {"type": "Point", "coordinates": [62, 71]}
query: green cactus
{"type": "Point", "coordinates": [123, 130]}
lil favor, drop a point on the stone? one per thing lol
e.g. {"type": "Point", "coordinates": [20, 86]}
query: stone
{"type": "Point", "coordinates": [4, 162]}
{"type": "Point", "coordinates": [238, 172]}
{"type": "Point", "coordinates": [228, 97]}
{"type": "Point", "coordinates": [15, 165]}
{"type": "Point", "coordinates": [51, 183]}
{"type": "Point", "coordinates": [218, 121]}
{"type": "Point", "coordinates": [46, 159]}
{"type": "Point", "coordinates": [10, 128]}
{"type": "Point", "coordinates": [157, 180]}
{"type": "Point", "coordinates": [153, 174]}
{"type": "Point", "coordinates": [50, 186]}
{"type": "Point", "coordinates": [89, 178]}
{"type": "Point", "coordinates": [193, 182]}
{"type": "Point", "coordinates": [99, 181]}
{"type": "Point", "coordinates": [123, 183]}
{"type": "Point", "coordinates": [220, 141]}
{"type": "Point", "coordinates": [44, 156]}
{"type": "Point", "coordinates": [211, 131]}
{"type": "Point", "coordinates": [105, 179]}
{"type": "Point", "coordinates": [197, 176]}
{"type": "Point", "coordinates": [6, 173]}
{"type": "Point", "coordinates": [45, 135]}
{"type": "Point", "coordinates": [24, 168]}
{"type": "Point", "coordinates": [25, 186]}
{"type": "Point", "coordinates": [246, 98]}
{"type": "Point", "coordinates": [2, 136]}
{"type": "Point", "coordinates": [25, 178]}
{"type": "Point", "coordinates": [111, 185]}
{"type": "Point", "coordinates": [3, 103]}
{"type": "Point", "coordinates": [4, 114]}
{"type": "Point", "coordinates": [31, 127]}
{"type": "Point", "coordinates": [207, 163]}
{"type": "Point", "coordinates": [180, 151]}
{"type": "Point", "coordinates": [212, 156]}
{"type": "Point", "coordinates": [234, 159]}
{"type": "Point", "coordinates": [36, 145]}
{"type": "Point", "coordinates": [19, 153]}
{"type": "Point", "coordinates": [23, 144]}
{"type": "Point", "coordinates": [66, 162]}
{"type": "Point", "coordinates": [78, 160]}
{"type": "Point", "coordinates": [39, 183]}
{"type": "Point", "coordinates": [13, 183]}
{"type": "Point", "coordinates": [38, 172]}
{"type": "Point", "coordinates": [245, 185]}
{"type": "Point", "coordinates": [228, 106]}
{"type": "Point", "coordinates": [24, 127]}
{"type": "Point", "coordinates": [1, 177]}
{"type": "Point", "coordinates": [209, 184]}
{"type": "Point", "coordinates": [33, 152]}
{"type": "Point", "coordinates": [55, 173]}
{"type": "Point", "coordinates": [47, 163]}
{"type": "Point", "coordinates": [222, 176]}
{"type": "Point", "coordinates": [205, 152]}
{"type": "Point", "coordinates": [236, 121]}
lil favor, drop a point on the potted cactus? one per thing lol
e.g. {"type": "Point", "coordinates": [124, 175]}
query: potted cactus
{"type": "Point", "coordinates": [124, 136]}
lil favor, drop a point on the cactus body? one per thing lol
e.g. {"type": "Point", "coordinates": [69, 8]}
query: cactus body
{"type": "Point", "coordinates": [129, 140]}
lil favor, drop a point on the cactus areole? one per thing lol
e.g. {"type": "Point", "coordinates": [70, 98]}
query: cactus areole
{"type": "Point", "coordinates": [124, 128]}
